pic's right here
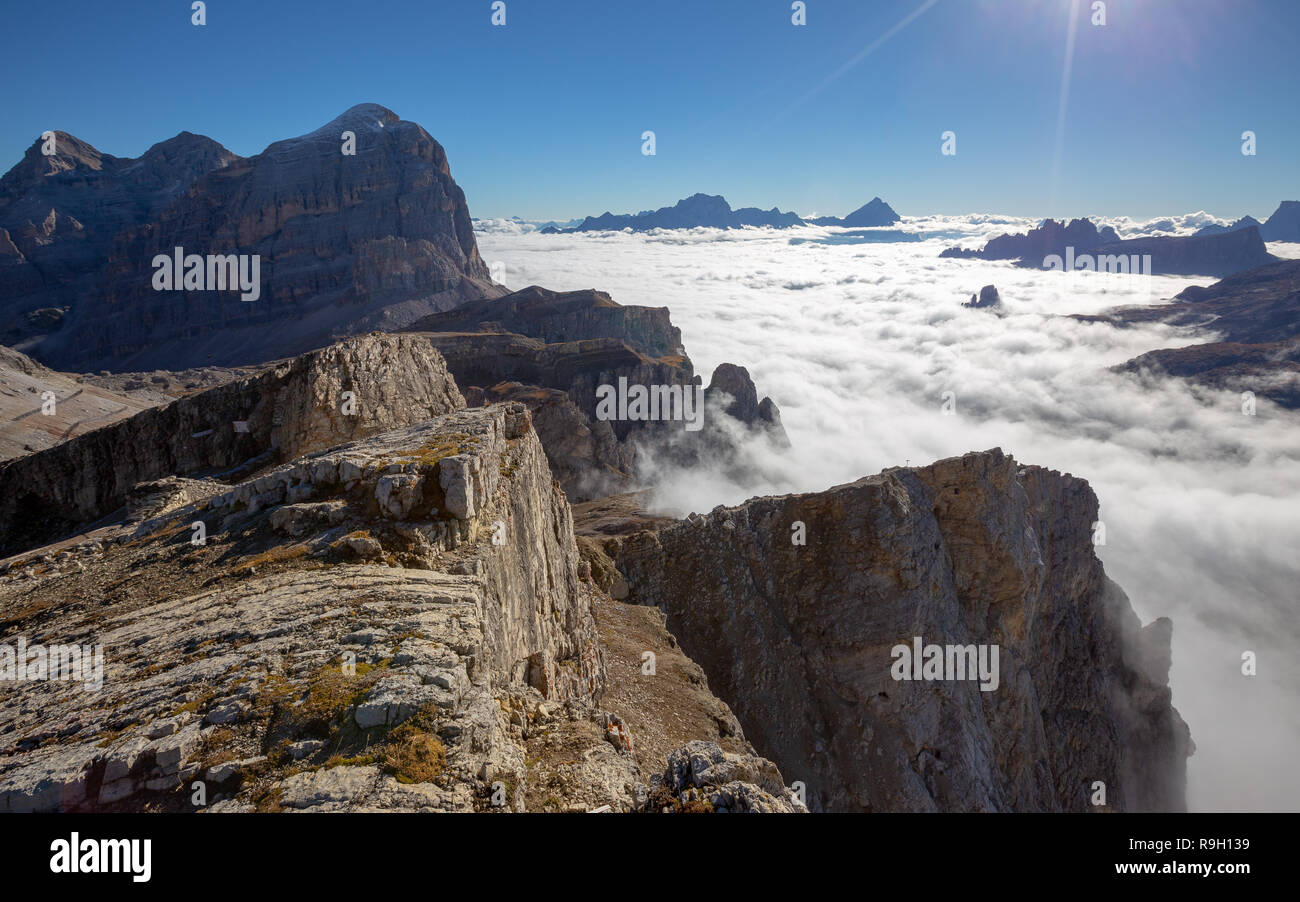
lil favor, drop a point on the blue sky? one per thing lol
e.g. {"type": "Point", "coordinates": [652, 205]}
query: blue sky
{"type": "Point", "coordinates": [543, 118]}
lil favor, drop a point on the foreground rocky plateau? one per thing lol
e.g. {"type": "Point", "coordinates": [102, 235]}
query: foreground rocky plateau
{"type": "Point", "coordinates": [399, 623]}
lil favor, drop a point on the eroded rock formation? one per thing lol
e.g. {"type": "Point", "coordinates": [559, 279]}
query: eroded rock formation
{"type": "Point", "coordinates": [346, 242]}
{"type": "Point", "coordinates": [545, 348]}
{"type": "Point", "coordinates": [976, 550]}
{"type": "Point", "coordinates": [401, 623]}
{"type": "Point", "coordinates": [357, 387]}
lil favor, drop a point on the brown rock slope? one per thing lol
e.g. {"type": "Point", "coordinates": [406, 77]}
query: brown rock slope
{"type": "Point", "coordinates": [974, 550]}
{"type": "Point", "coordinates": [401, 623]}
{"type": "Point", "coordinates": [28, 419]}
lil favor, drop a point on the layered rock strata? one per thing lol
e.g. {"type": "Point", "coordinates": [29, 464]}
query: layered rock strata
{"type": "Point", "coordinates": [358, 387]}
{"type": "Point", "coordinates": [401, 623]}
{"type": "Point", "coordinates": [793, 605]}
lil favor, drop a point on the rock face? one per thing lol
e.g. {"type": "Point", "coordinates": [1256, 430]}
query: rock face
{"type": "Point", "coordinates": [346, 243]}
{"type": "Point", "coordinates": [554, 351]}
{"type": "Point", "coordinates": [988, 298]}
{"type": "Point", "coordinates": [1284, 224]}
{"type": "Point", "coordinates": [401, 623]}
{"type": "Point", "coordinates": [871, 214]}
{"type": "Point", "coordinates": [697, 211]}
{"type": "Point", "coordinates": [1208, 255]}
{"type": "Point", "coordinates": [1255, 317]}
{"type": "Point", "coordinates": [60, 213]}
{"type": "Point", "coordinates": [970, 551]}
{"type": "Point", "coordinates": [287, 410]}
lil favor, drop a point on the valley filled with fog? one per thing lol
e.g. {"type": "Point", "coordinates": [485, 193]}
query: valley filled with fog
{"type": "Point", "coordinates": [858, 339]}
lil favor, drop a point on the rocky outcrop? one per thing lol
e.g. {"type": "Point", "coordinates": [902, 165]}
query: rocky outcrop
{"type": "Point", "coordinates": [1254, 317]}
{"type": "Point", "coordinates": [555, 317]}
{"type": "Point", "coordinates": [988, 298]}
{"type": "Point", "coordinates": [697, 211]}
{"type": "Point", "coordinates": [1284, 224]}
{"type": "Point", "coordinates": [355, 388]}
{"type": "Point", "coordinates": [1051, 237]}
{"type": "Point", "coordinates": [794, 605]}
{"type": "Point", "coordinates": [401, 623]}
{"type": "Point", "coordinates": [554, 351]}
{"type": "Point", "coordinates": [346, 243]}
{"type": "Point", "coordinates": [870, 215]}
{"type": "Point", "coordinates": [585, 455]}
{"type": "Point", "coordinates": [701, 777]}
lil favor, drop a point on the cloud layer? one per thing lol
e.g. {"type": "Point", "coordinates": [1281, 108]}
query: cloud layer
{"type": "Point", "coordinates": [858, 342]}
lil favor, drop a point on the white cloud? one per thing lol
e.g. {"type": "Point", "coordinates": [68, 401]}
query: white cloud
{"type": "Point", "coordinates": [857, 343]}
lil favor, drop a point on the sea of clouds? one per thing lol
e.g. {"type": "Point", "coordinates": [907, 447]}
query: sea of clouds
{"type": "Point", "coordinates": [858, 340]}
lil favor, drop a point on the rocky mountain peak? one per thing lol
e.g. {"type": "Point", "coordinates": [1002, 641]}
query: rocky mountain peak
{"type": "Point", "coordinates": [383, 213]}
{"type": "Point", "coordinates": [71, 154]}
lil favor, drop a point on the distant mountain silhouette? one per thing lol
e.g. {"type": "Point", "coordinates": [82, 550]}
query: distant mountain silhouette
{"type": "Point", "coordinates": [697, 211]}
{"type": "Point", "coordinates": [874, 212]}
{"type": "Point", "coordinates": [1051, 237]}
{"type": "Point", "coordinates": [1215, 229]}
{"type": "Point", "coordinates": [1283, 225]}
{"type": "Point", "coordinates": [1204, 255]}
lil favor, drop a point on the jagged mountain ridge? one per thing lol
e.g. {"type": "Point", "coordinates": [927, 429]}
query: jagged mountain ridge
{"type": "Point", "coordinates": [346, 243]}
{"type": "Point", "coordinates": [697, 211]}
{"type": "Point", "coordinates": [713, 211]}
{"type": "Point", "coordinates": [1218, 254]}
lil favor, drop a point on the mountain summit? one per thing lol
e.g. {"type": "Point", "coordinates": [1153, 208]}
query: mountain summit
{"type": "Point", "coordinates": [356, 225]}
{"type": "Point", "coordinates": [874, 212]}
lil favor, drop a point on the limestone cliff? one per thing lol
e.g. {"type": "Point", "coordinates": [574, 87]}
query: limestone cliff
{"type": "Point", "coordinates": [554, 350]}
{"type": "Point", "coordinates": [400, 623]}
{"type": "Point", "coordinates": [288, 409]}
{"type": "Point", "coordinates": [357, 225]}
{"type": "Point", "coordinates": [976, 550]}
